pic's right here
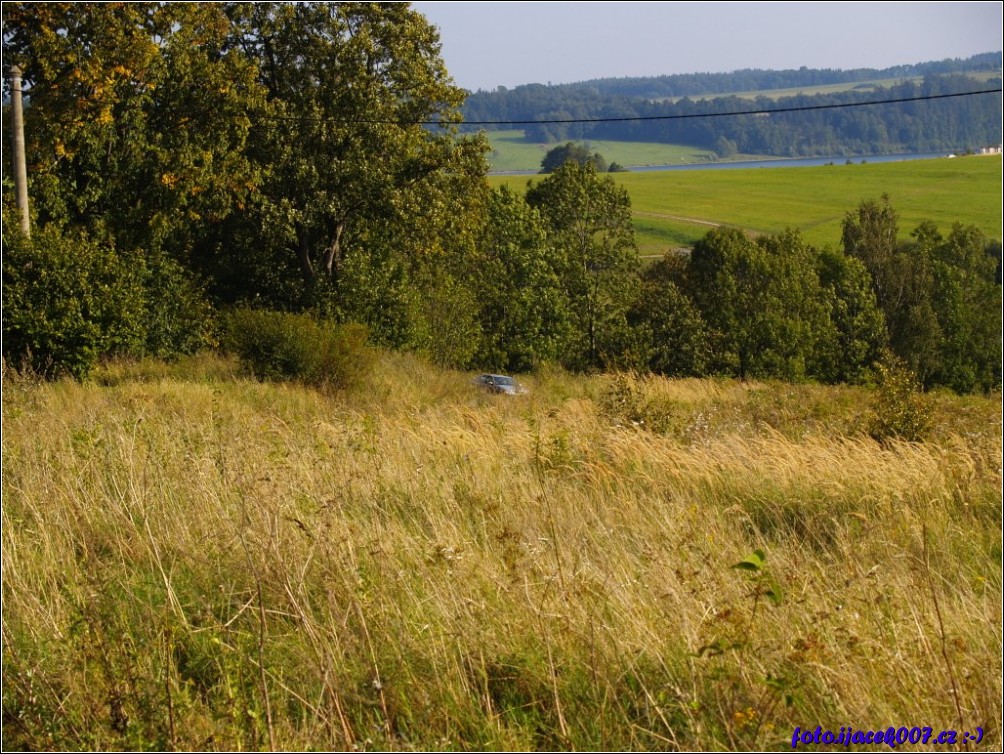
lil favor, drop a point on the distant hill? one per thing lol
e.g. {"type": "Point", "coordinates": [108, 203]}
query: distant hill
{"type": "Point", "coordinates": [955, 123]}
{"type": "Point", "coordinates": [755, 79]}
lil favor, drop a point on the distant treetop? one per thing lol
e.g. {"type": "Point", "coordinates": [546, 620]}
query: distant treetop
{"type": "Point", "coordinates": [572, 152]}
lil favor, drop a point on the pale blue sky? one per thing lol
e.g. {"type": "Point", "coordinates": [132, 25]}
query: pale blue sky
{"type": "Point", "coordinates": [487, 44]}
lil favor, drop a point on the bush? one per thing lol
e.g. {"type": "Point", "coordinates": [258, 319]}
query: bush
{"type": "Point", "coordinates": [629, 400]}
{"type": "Point", "coordinates": [67, 301]}
{"type": "Point", "coordinates": [178, 319]}
{"type": "Point", "coordinates": [899, 411]}
{"type": "Point", "coordinates": [281, 346]}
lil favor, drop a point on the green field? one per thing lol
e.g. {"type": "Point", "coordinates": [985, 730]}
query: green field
{"type": "Point", "coordinates": [980, 77]}
{"type": "Point", "coordinates": [676, 208]}
{"type": "Point", "coordinates": [511, 153]}
{"type": "Point", "coordinates": [776, 94]}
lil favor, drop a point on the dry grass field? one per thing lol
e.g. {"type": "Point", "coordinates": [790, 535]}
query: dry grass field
{"type": "Point", "coordinates": [195, 560]}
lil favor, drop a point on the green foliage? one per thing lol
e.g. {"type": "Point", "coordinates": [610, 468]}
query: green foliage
{"type": "Point", "coordinates": [902, 277]}
{"type": "Point", "coordinates": [940, 297]}
{"type": "Point", "coordinates": [572, 152]}
{"type": "Point", "coordinates": [333, 75]}
{"type": "Point", "coordinates": [967, 300]}
{"type": "Point", "coordinates": [818, 130]}
{"type": "Point", "coordinates": [670, 329]}
{"type": "Point", "coordinates": [523, 317]}
{"type": "Point", "coordinates": [178, 318]}
{"type": "Point", "coordinates": [725, 147]}
{"type": "Point", "coordinates": [445, 323]}
{"type": "Point", "coordinates": [376, 290]}
{"type": "Point", "coordinates": [900, 411]}
{"type": "Point", "coordinates": [860, 327]}
{"type": "Point", "coordinates": [765, 584]}
{"type": "Point", "coordinates": [278, 345]}
{"type": "Point", "coordinates": [67, 301]}
{"type": "Point", "coordinates": [273, 155]}
{"type": "Point", "coordinates": [138, 118]}
{"type": "Point", "coordinates": [588, 220]}
{"type": "Point", "coordinates": [241, 138]}
{"type": "Point", "coordinates": [762, 300]}
{"type": "Point", "coordinates": [510, 151]}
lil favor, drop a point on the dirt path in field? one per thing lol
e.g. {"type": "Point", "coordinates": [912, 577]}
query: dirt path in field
{"type": "Point", "coordinates": [680, 218]}
{"type": "Point", "coordinates": [694, 221]}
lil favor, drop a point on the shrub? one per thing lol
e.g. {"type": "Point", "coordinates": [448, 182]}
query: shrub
{"type": "Point", "coordinates": [629, 400]}
{"type": "Point", "coordinates": [178, 318]}
{"type": "Point", "coordinates": [282, 346]}
{"type": "Point", "coordinates": [899, 411]}
{"type": "Point", "coordinates": [67, 301]}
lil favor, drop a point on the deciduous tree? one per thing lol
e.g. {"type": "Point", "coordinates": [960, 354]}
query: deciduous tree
{"type": "Point", "coordinates": [348, 88]}
{"type": "Point", "coordinates": [137, 120]}
{"type": "Point", "coordinates": [967, 303]}
{"type": "Point", "coordinates": [902, 277]}
{"type": "Point", "coordinates": [670, 330]}
{"type": "Point", "coordinates": [860, 331]}
{"type": "Point", "coordinates": [762, 301]}
{"type": "Point", "coordinates": [588, 220]}
{"type": "Point", "coordinates": [571, 152]}
{"type": "Point", "coordinates": [523, 318]}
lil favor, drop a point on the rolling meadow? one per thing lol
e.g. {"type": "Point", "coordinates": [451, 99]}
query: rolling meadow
{"type": "Point", "coordinates": [194, 559]}
{"type": "Point", "coordinates": [676, 208]}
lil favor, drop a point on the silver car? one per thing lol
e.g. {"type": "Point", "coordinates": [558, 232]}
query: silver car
{"type": "Point", "coordinates": [499, 384]}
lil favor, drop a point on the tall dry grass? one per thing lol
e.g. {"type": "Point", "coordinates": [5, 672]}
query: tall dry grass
{"type": "Point", "coordinates": [218, 563]}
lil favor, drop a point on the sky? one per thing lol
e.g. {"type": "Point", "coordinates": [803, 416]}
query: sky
{"type": "Point", "coordinates": [491, 44]}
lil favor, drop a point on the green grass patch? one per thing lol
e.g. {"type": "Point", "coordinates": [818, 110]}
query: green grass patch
{"type": "Point", "coordinates": [868, 85]}
{"type": "Point", "coordinates": [674, 208]}
{"type": "Point", "coordinates": [511, 152]}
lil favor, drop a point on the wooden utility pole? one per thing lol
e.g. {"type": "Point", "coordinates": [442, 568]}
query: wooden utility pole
{"type": "Point", "coordinates": [20, 167]}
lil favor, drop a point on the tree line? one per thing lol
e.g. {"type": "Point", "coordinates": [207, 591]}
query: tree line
{"type": "Point", "coordinates": [943, 125]}
{"type": "Point", "coordinates": [192, 162]}
{"type": "Point", "coordinates": [753, 80]}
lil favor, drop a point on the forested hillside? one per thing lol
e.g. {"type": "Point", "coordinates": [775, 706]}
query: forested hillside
{"type": "Point", "coordinates": [757, 79]}
{"type": "Point", "coordinates": [947, 123]}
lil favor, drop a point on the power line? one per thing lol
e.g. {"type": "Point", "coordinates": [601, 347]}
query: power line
{"type": "Point", "coordinates": [624, 119]}
{"type": "Point", "coordinates": [796, 109]}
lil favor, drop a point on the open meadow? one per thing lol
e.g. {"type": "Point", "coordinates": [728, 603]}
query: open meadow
{"type": "Point", "coordinates": [511, 152]}
{"type": "Point", "coordinates": [676, 208]}
{"type": "Point", "coordinates": [850, 86]}
{"type": "Point", "coordinates": [196, 560]}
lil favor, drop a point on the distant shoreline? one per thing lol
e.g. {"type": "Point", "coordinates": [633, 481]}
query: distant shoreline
{"type": "Point", "coordinates": [770, 162]}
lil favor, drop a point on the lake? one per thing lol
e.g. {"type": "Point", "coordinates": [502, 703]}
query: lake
{"type": "Point", "coordinates": [794, 162]}
{"type": "Point", "coordinates": [773, 162]}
